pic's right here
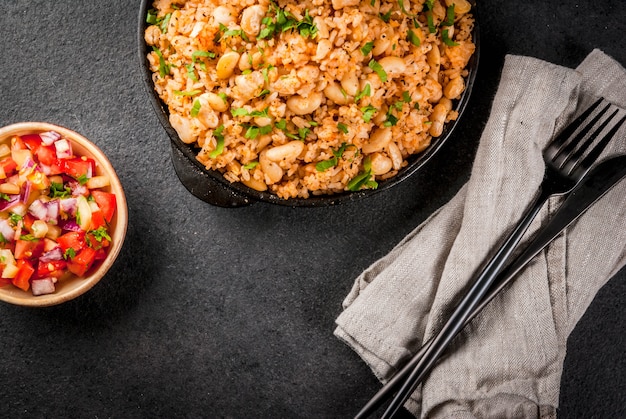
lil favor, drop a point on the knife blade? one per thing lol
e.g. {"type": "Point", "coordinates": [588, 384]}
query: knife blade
{"type": "Point", "coordinates": [598, 181]}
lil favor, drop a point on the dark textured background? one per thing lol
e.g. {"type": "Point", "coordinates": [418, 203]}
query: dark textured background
{"type": "Point", "coordinates": [229, 312]}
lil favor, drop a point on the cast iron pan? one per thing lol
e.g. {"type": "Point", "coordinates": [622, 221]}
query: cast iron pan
{"type": "Point", "coordinates": [210, 186]}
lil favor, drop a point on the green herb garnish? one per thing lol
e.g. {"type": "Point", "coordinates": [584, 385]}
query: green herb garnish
{"type": "Point", "coordinates": [367, 48]}
{"type": "Point", "coordinates": [378, 69]}
{"type": "Point", "coordinates": [368, 112]}
{"type": "Point", "coordinates": [413, 38]}
{"type": "Point", "coordinates": [187, 92]}
{"type": "Point", "coordinates": [195, 109]}
{"type": "Point", "coordinates": [69, 253]}
{"type": "Point", "coordinates": [446, 39]}
{"type": "Point", "coordinates": [164, 67]}
{"type": "Point", "coordinates": [58, 190]}
{"type": "Point", "coordinates": [342, 127]}
{"type": "Point", "coordinates": [363, 179]}
{"type": "Point", "coordinates": [219, 137]}
{"type": "Point", "coordinates": [365, 92]}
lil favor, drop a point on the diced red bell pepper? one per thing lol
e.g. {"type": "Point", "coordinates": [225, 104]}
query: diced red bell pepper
{"type": "Point", "coordinates": [78, 166]}
{"type": "Point", "coordinates": [24, 271]}
{"type": "Point", "coordinates": [107, 203]}
{"type": "Point", "coordinates": [52, 269]}
{"type": "Point", "coordinates": [72, 239]}
{"type": "Point", "coordinates": [81, 263]}
{"type": "Point", "coordinates": [28, 249]}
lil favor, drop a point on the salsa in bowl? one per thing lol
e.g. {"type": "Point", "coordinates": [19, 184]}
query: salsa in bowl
{"type": "Point", "coordinates": [63, 214]}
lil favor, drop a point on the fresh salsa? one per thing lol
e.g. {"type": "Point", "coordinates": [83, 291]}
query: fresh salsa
{"type": "Point", "coordinates": [54, 212]}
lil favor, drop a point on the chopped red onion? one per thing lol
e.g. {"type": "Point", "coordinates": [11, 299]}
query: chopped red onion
{"type": "Point", "coordinates": [70, 225]}
{"type": "Point", "coordinates": [10, 203]}
{"type": "Point", "coordinates": [63, 149]}
{"type": "Point", "coordinates": [68, 206]}
{"type": "Point", "coordinates": [54, 254]}
{"type": "Point", "coordinates": [38, 209]}
{"type": "Point", "coordinates": [27, 187]}
{"type": "Point", "coordinates": [49, 137]}
{"type": "Point", "coordinates": [78, 189]}
{"type": "Point", "coordinates": [6, 230]}
{"type": "Point", "coordinates": [42, 286]}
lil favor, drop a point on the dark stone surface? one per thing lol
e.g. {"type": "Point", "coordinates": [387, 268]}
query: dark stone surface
{"type": "Point", "coordinates": [214, 312]}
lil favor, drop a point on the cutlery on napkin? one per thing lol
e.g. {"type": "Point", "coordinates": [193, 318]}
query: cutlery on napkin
{"type": "Point", "coordinates": [508, 361]}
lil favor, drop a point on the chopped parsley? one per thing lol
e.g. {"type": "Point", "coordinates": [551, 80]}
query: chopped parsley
{"type": "Point", "coordinates": [228, 33]}
{"type": "Point", "coordinates": [70, 253]}
{"type": "Point", "coordinates": [161, 22]}
{"type": "Point", "coordinates": [449, 21]}
{"type": "Point", "coordinates": [385, 17]}
{"type": "Point", "coordinates": [195, 109]}
{"type": "Point", "coordinates": [368, 112]}
{"type": "Point", "coordinates": [164, 67]}
{"type": "Point", "coordinates": [447, 40]}
{"type": "Point", "coordinates": [363, 179]}
{"type": "Point", "coordinates": [253, 131]}
{"type": "Point", "coordinates": [58, 190]}
{"type": "Point", "coordinates": [365, 92]}
{"type": "Point", "coordinates": [280, 20]}
{"type": "Point", "coordinates": [101, 234]}
{"type": "Point", "coordinates": [413, 38]}
{"type": "Point", "coordinates": [332, 162]}
{"type": "Point", "coordinates": [378, 69]}
{"type": "Point", "coordinates": [251, 165]}
{"type": "Point", "coordinates": [342, 127]}
{"type": "Point", "coordinates": [187, 92]}
{"type": "Point", "coordinates": [219, 138]}
{"type": "Point", "coordinates": [367, 48]}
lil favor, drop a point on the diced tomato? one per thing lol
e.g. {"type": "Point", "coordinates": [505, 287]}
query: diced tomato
{"type": "Point", "coordinates": [52, 269]}
{"type": "Point", "coordinates": [47, 155]}
{"type": "Point", "coordinates": [78, 166]}
{"type": "Point", "coordinates": [31, 141]}
{"type": "Point", "coordinates": [27, 221]}
{"type": "Point", "coordinates": [4, 281]}
{"type": "Point", "coordinates": [107, 203]}
{"type": "Point", "coordinates": [73, 239]}
{"type": "Point", "coordinates": [81, 263]}
{"type": "Point", "coordinates": [8, 165]}
{"type": "Point", "coordinates": [97, 220]}
{"type": "Point", "coordinates": [28, 249]}
{"type": "Point", "coordinates": [24, 271]}
{"type": "Point", "coordinates": [101, 254]}
{"type": "Point", "coordinates": [94, 243]}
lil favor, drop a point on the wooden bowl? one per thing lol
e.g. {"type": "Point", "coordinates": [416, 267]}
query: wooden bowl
{"type": "Point", "coordinates": [72, 287]}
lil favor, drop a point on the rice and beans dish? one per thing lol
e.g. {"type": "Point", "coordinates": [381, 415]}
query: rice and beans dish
{"type": "Point", "coordinates": [309, 97]}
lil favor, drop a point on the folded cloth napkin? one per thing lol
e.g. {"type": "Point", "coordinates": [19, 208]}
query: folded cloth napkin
{"type": "Point", "coordinates": [508, 361]}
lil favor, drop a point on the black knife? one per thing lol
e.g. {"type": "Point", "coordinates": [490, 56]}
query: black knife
{"type": "Point", "coordinates": [594, 186]}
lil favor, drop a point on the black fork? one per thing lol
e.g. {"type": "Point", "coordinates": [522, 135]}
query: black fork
{"type": "Point", "coordinates": [568, 158]}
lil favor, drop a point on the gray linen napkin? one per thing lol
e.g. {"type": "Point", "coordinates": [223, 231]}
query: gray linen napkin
{"type": "Point", "coordinates": [508, 361]}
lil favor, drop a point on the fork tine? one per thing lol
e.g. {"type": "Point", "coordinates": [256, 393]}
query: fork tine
{"type": "Point", "coordinates": [569, 143]}
{"type": "Point", "coordinates": [560, 139]}
{"type": "Point", "coordinates": [586, 162]}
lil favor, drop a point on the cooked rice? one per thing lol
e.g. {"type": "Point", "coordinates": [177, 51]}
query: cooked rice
{"type": "Point", "coordinates": [289, 111]}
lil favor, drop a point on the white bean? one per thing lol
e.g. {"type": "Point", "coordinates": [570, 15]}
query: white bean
{"type": "Point", "coordinates": [251, 19]}
{"type": "Point", "coordinates": [226, 64]}
{"type": "Point", "coordinates": [272, 171]}
{"type": "Point", "coordinates": [378, 140]}
{"type": "Point", "coordinates": [392, 65]}
{"type": "Point", "coordinates": [216, 102]}
{"type": "Point", "coordinates": [304, 105]}
{"type": "Point", "coordinates": [437, 119]}
{"type": "Point", "coordinates": [350, 83]}
{"type": "Point", "coordinates": [454, 88]}
{"type": "Point", "coordinates": [396, 155]}
{"type": "Point", "coordinates": [223, 15]}
{"type": "Point", "coordinates": [381, 164]}
{"type": "Point", "coordinates": [287, 152]}
{"type": "Point", "coordinates": [333, 92]}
